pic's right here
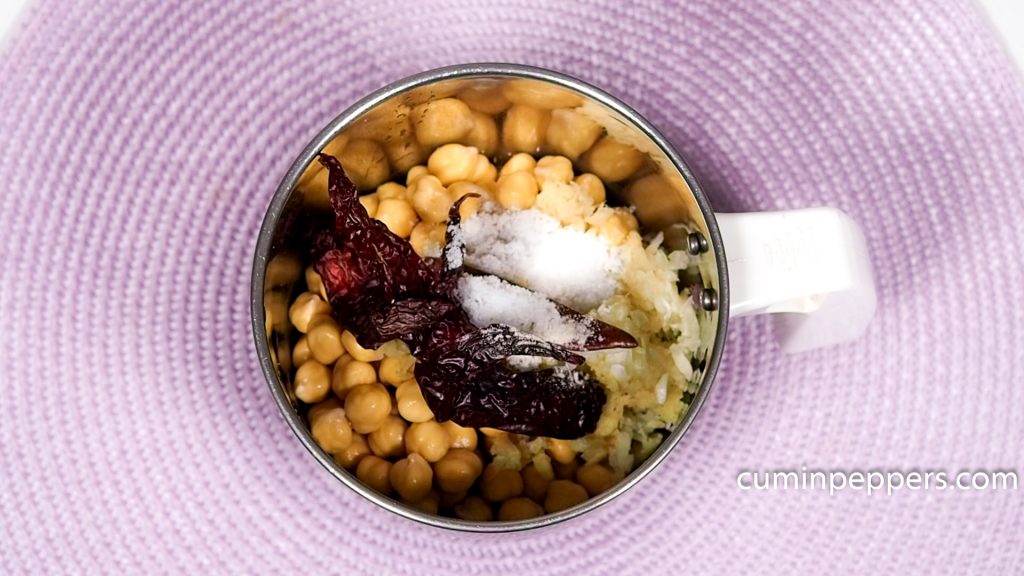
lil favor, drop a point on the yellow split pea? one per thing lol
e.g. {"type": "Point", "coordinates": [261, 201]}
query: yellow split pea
{"type": "Point", "coordinates": [366, 408]}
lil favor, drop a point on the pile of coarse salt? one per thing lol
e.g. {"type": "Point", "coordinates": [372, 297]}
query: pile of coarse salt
{"type": "Point", "coordinates": [532, 249]}
{"type": "Point", "coordinates": [490, 300]}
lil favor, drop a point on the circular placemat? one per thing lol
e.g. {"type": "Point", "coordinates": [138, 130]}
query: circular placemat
{"type": "Point", "coordinates": [141, 142]}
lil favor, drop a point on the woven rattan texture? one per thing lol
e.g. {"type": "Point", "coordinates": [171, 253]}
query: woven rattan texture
{"type": "Point", "coordinates": [140, 143]}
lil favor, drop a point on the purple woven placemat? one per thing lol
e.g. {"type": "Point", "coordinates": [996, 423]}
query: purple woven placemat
{"type": "Point", "coordinates": [141, 141]}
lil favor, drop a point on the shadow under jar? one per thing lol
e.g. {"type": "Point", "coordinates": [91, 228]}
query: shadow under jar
{"type": "Point", "coordinates": [358, 411]}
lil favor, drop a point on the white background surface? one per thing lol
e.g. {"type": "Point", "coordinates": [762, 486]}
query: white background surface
{"type": "Point", "coordinates": [1008, 18]}
{"type": "Point", "coordinates": [1006, 15]}
{"type": "Point", "coordinates": [9, 12]}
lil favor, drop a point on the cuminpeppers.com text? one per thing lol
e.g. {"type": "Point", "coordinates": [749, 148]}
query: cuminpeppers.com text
{"type": "Point", "coordinates": [872, 482]}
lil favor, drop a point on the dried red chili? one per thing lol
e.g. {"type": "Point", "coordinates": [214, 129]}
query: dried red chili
{"type": "Point", "coordinates": [382, 290]}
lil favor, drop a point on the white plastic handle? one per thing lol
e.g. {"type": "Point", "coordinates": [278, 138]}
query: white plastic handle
{"type": "Point", "coordinates": [809, 267]}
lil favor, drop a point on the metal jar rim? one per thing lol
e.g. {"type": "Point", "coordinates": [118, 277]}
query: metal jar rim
{"type": "Point", "coordinates": [343, 120]}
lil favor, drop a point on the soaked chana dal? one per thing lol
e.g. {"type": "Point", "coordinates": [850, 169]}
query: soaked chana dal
{"type": "Point", "coordinates": [539, 167]}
